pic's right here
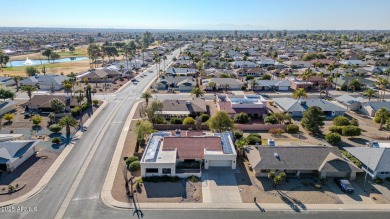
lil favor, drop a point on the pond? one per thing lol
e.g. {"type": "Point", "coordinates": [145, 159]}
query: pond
{"type": "Point", "coordinates": [29, 62]}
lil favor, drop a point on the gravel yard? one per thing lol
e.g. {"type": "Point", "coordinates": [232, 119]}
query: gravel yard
{"type": "Point", "coordinates": [29, 173]}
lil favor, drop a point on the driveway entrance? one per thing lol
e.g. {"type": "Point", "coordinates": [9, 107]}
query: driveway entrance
{"type": "Point", "coordinates": [358, 196]}
{"type": "Point", "coordinates": [219, 186]}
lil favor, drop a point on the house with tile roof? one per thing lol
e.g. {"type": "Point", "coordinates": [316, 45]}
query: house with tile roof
{"type": "Point", "coordinates": [371, 107]}
{"type": "Point", "coordinates": [184, 107]}
{"type": "Point", "coordinates": [177, 155]}
{"type": "Point", "coordinates": [223, 83]}
{"type": "Point", "coordinates": [14, 153]}
{"type": "Point", "coordinates": [296, 107]}
{"type": "Point", "coordinates": [278, 85]}
{"type": "Point", "coordinates": [253, 105]}
{"type": "Point", "coordinates": [45, 82]}
{"type": "Point", "coordinates": [181, 71]}
{"type": "Point", "coordinates": [300, 161]}
{"type": "Point", "coordinates": [180, 83]}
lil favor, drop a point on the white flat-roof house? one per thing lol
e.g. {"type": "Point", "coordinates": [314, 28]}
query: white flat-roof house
{"type": "Point", "coordinates": [186, 153]}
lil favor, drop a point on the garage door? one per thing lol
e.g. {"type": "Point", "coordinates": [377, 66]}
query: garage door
{"type": "Point", "coordinates": [220, 163]}
{"type": "Point", "coordinates": [338, 174]}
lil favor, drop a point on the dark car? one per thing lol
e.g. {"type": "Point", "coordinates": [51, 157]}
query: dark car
{"type": "Point", "coordinates": [344, 184]}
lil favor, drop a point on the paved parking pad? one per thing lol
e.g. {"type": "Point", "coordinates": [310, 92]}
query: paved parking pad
{"type": "Point", "coordinates": [358, 196]}
{"type": "Point", "coordinates": [219, 186]}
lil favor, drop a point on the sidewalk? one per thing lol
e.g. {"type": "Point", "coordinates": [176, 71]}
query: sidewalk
{"type": "Point", "coordinates": [54, 167]}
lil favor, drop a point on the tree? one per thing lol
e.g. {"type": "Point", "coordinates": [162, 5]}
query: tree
{"type": "Point", "coordinates": [204, 117]}
{"type": "Point", "coordinates": [142, 129]}
{"type": "Point", "coordinates": [381, 116]}
{"type": "Point", "coordinates": [242, 118]}
{"type": "Point", "coordinates": [16, 80]}
{"type": "Point", "coordinates": [354, 84]}
{"type": "Point", "coordinates": [6, 92]}
{"type": "Point", "coordinates": [369, 93]}
{"type": "Point", "coordinates": [282, 117]}
{"type": "Point", "coordinates": [253, 139]}
{"type": "Point", "coordinates": [221, 122]}
{"type": "Point", "coordinates": [307, 75]}
{"type": "Point", "coordinates": [197, 92]}
{"type": "Point", "coordinates": [54, 56]}
{"type": "Point", "coordinates": [355, 122]}
{"type": "Point", "coordinates": [152, 111]}
{"type": "Point", "coordinates": [71, 48]}
{"type": "Point", "coordinates": [37, 119]}
{"type": "Point", "coordinates": [270, 119]}
{"type": "Point", "coordinates": [341, 121]}
{"type": "Point", "coordinates": [299, 93]}
{"type": "Point", "coordinates": [9, 117]}
{"type": "Point", "coordinates": [266, 77]}
{"type": "Point", "coordinates": [313, 119]}
{"type": "Point", "coordinates": [131, 159]}
{"type": "Point", "coordinates": [31, 71]}
{"type": "Point", "coordinates": [57, 105]}
{"type": "Point", "coordinates": [333, 138]}
{"type": "Point", "coordinates": [29, 89]}
{"type": "Point", "coordinates": [292, 128]}
{"type": "Point", "coordinates": [68, 122]}
{"type": "Point", "coordinates": [351, 131]}
{"type": "Point", "coordinates": [47, 53]}
{"type": "Point", "coordinates": [146, 96]}
{"type": "Point", "coordinates": [55, 128]}
{"type": "Point", "coordinates": [188, 120]}
{"type": "Point", "coordinates": [213, 85]}
{"type": "Point", "coordinates": [382, 84]}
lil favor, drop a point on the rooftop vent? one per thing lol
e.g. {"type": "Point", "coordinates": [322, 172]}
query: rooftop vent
{"type": "Point", "coordinates": [302, 102]}
{"type": "Point", "coordinates": [188, 102]}
{"type": "Point", "coordinates": [177, 132]}
{"type": "Point", "coordinates": [276, 155]}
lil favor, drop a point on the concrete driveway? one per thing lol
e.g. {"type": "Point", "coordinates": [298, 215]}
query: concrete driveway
{"type": "Point", "coordinates": [219, 186]}
{"type": "Point", "coordinates": [358, 196]}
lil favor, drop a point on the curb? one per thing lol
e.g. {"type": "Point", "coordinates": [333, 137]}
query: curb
{"type": "Point", "coordinates": [54, 167]}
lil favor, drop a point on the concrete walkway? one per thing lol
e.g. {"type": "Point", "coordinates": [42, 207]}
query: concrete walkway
{"type": "Point", "coordinates": [219, 186]}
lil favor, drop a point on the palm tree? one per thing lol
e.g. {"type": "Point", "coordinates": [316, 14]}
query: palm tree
{"type": "Point", "coordinates": [369, 93]}
{"type": "Point", "coordinates": [329, 81]}
{"type": "Point", "coordinates": [165, 59]}
{"type": "Point", "coordinates": [354, 84]}
{"type": "Point", "coordinates": [213, 85]}
{"type": "Point", "coordinates": [121, 67]}
{"type": "Point", "coordinates": [253, 83]}
{"type": "Point", "coordinates": [80, 97]}
{"type": "Point", "coordinates": [197, 92]}
{"type": "Point", "coordinates": [382, 114]}
{"type": "Point", "coordinates": [68, 121]}
{"type": "Point", "coordinates": [299, 93]}
{"type": "Point", "coordinates": [16, 80]}
{"type": "Point", "coordinates": [330, 68]}
{"type": "Point", "coordinates": [146, 96]}
{"type": "Point", "coordinates": [382, 84]}
{"type": "Point", "coordinates": [282, 76]}
{"type": "Point", "coordinates": [307, 75]}
{"type": "Point", "coordinates": [29, 89]}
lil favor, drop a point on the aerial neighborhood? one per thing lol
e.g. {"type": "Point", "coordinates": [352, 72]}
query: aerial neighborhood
{"type": "Point", "coordinates": [294, 118]}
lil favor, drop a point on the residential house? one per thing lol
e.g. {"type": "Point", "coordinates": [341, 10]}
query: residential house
{"type": "Point", "coordinates": [371, 107]}
{"type": "Point", "coordinates": [375, 158]}
{"type": "Point", "coordinates": [177, 155]}
{"type": "Point", "coordinates": [352, 63]}
{"type": "Point", "coordinates": [349, 102]}
{"type": "Point", "coordinates": [7, 81]}
{"type": "Point", "coordinates": [223, 84]}
{"type": "Point", "coordinates": [264, 63]}
{"type": "Point", "coordinates": [344, 81]}
{"type": "Point", "coordinates": [180, 83]}
{"type": "Point", "coordinates": [184, 107]}
{"type": "Point", "coordinates": [296, 107]}
{"type": "Point", "coordinates": [263, 85]}
{"type": "Point", "coordinates": [244, 64]}
{"type": "Point", "coordinates": [42, 102]}
{"type": "Point", "coordinates": [255, 72]}
{"type": "Point", "coordinates": [297, 64]}
{"type": "Point", "coordinates": [298, 83]}
{"type": "Point", "coordinates": [181, 71]}
{"type": "Point", "coordinates": [7, 106]}
{"type": "Point", "coordinates": [14, 153]}
{"type": "Point", "coordinates": [45, 82]}
{"type": "Point", "coordinates": [300, 161]}
{"type": "Point", "coordinates": [253, 105]}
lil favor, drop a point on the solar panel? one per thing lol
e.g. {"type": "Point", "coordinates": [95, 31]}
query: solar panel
{"type": "Point", "coordinates": [226, 146]}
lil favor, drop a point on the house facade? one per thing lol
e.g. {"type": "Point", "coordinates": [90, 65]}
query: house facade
{"type": "Point", "coordinates": [14, 153]}
{"type": "Point", "coordinates": [297, 107]}
{"type": "Point", "coordinates": [253, 105]}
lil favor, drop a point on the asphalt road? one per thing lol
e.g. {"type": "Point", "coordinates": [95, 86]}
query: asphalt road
{"type": "Point", "coordinates": [86, 202]}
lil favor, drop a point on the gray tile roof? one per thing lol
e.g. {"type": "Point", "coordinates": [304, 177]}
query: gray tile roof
{"type": "Point", "coordinates": [377, 159]}
{"type": "Point", "coordinates": [230, 81]}
{"type": "Point", "coordinates": [294, 105]}
{"type": "Point", "coordinates": [12, 150]}
{"type": "Point", "coordinates": [375, 105]}
{"type": "Point", "coordinates": [195, 105]}
{"type": "Point", "coordinates": [321, 158]}
{"type": "Point", "coordinates": [346, 99]}
{"type": "Point", "coordinates": [174, 79]}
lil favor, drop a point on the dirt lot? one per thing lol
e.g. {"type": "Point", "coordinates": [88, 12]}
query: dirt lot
{"type": "Point", "coordinates": [29, 173]}
{"type": "Point", "coordinates": [292, 192]}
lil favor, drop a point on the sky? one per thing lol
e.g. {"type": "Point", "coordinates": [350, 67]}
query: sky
{"type": "Point", "coordinates": [199, 14]}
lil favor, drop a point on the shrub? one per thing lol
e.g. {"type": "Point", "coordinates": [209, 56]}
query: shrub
{"type": "Point", "coordinates": [354, 122]}
{"type": "Point", "coordinates": [176, 120]}
{"type": "Point", "coordinates": [76, 111]}
{"type": "Point", "coordinates": [277, 131]}
{"type": "Point", "coordinates": [85, 106]}
{"type": "Point", "coordinates": [340, 121]}
{"type": "Point", "coordinates": [11, 188]}
{"type": "Point", "coordinates": [193, 179]}
{"type": "Point", "coordinates": [130, 160]}
{"type": "Point", "coordinates": [55, 128]}
{"type": "Point", "coordinates": [37, 119]}
{"type": "Point", "coordinates": [243, 88]}
{"type": "Point", "coordinates": [8, 117]}
{"type": "Point", "coordinates": [188, 120]}
{"type": "Point", "coordinates": [270, 120]}
{"type": "Point", "coordinates": [249, 77]}
{"type": "Point", "coordinates": [351, 131]}
{"type": "Point", "coordinates": [333, 138]}
{"type": "Point", "coordinates": [55, 140]}
{"type": "Point", "coordinates": [378, 180]}
{"type": "Point", "coordinates": [336, 129]}
{"type": "Point", "coordinates": [242, 118]}
{"type": "Point", "coordinates": [253, 139]}
{"type": "Point", "coordinates": [134, 166]}
{"type": "Point", "coordinates": [204, 117]}
{"type": "Point", "coordinates": [95, 102]}
{"type": "Point", "coordinates": [292, 129]}
{"type": "Point", "coordinates": [352, 158]}
{"type": "Point", "coordinates": [238, 134]}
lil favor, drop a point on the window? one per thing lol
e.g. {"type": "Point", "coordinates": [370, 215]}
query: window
{"type": "Point", "coordinates": [384, 173]}
{"type": "Point", "coordinates": [151, 170]}
{"type": "Point", "coordinates": [166, 170]}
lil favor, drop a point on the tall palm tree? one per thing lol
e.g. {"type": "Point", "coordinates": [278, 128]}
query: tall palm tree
{"type": "Point", "coordinates": [165, 59]}
{"type": "Point", "coordinates": [213, 85]}
{"type": "Point", "coordinates": [146, 96]}
{"type": "Point", "coordinates": [382, 84]}
{"type": "Point", "coordinates": [330, 68]}
{"type": "Point", "coordinates": [197, 92]}
{"type": "Point", "coordinates": [328, 81]}
{"type": "Point", "coordinates": [369, 93]}
{"type": "Point", "coordinates": [306, 76]}
{"type": "Point", "coordinates": [29, 89]}
{"type": "Point", "coordinates": [253, 83]}
{"type": "Point", "coordinates": [16, 80]}
{"type": "Point", "coordinates": [282, 76]}
{"type": "Point", "coordinates": [299, 93]}
{"type": "Point", "coordinates": [68, 122]}
{"type": "Point", "coordinates": [383, 115]}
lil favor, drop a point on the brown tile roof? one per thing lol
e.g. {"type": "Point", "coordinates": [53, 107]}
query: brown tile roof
{"type": "Point", "coordinates": [43, 101]}
{"type": "Point", "coordinates": [192, 147]}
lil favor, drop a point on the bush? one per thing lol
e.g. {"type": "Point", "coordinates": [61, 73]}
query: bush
{"type": "Point", "coordinates": [37, 119]}
{"type": "Point", "coordinates": [270, 120]}
{"type": "Point", "coordinates": [193, 179]}
{"type": "Point", "coordinates": [204, 117]}
{"type": "Point", "coordinates": [352, 158]}
{"type": "Point", "coordinates": [95, 102]}
{"type": "Point", "coordinates": [85, 106]}
{"type": "Point", "coordinates": [55, 128]}
{"type": "Point", "coordinates": [76, 111]}
{"type": "Point", "coordinates": [134, 166]}
{"type": "Point", "coordinates": [56, 140]}
{"type": "Point", "coordinates": [176, 120]}
{"type": "Point", "coordinates": [242, 118]}
{"type": "Point", "coordinates": [354, 122]}
{"type": "Point", "coordinates": [378, 180]}
{"type": "Point", "coordinates": [249, 77]}
{"type": "Point", "coordinates": [292, 129]}
{"type": "Point", "coordinates": [332, 138]}
{"type": "Point", "coordinates": [238, 134]}
{"type": "Point", "coordinates": [340, 121]}
{"type": "Point", "coordinates": [277, 131]}
{"type": "Point", "coordinates": [11, 188]}
{"type": "Point", "coordinates": [351, 131]}
{"type": "Point", "coordinates": [130, 160]}
{"type": "Point", "coordinates": [188, 120]}
{"type": "Point", "coordinates": [8, 117]}
{"type": "Point", "coordinates": [253, 139]}
{"type": "Point", "coordinates": [336, 129]}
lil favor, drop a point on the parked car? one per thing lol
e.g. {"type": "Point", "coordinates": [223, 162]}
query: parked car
{"type": "Point", "coordinates": [344, 184]}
